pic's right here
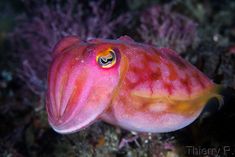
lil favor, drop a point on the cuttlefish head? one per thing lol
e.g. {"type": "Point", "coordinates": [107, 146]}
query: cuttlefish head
{"type": "Point", "coordinates": [82, 80]}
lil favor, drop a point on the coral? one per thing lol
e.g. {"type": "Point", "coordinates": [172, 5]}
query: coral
{"type": "Point", "coordinates": [164, 28]}
{"type": "Point", "coordinates": [46, 22]}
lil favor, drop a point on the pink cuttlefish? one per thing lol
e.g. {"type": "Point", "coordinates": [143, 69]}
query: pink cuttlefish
{"type": "Point", "coordinates": [135, 86]}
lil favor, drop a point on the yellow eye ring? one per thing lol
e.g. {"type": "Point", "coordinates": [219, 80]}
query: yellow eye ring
{"type": "Point", "coordinates": [106, 59]}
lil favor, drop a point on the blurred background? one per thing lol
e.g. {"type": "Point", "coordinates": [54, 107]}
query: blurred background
{"type": "Point", "coordinates": [201, 31]}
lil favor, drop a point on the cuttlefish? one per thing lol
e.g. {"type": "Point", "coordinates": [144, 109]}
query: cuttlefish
{"type": "Point", "coordinates": [131, 85]}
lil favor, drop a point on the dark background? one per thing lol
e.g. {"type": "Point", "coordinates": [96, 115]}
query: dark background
{"type": "Point", "coordinates": [203, 32]}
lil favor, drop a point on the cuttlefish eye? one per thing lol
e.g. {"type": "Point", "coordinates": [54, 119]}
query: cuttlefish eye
{"type": "Point", "coordinates": [106, 59]}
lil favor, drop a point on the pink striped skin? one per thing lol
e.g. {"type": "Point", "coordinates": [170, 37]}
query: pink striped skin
{"type": "Point", "coordinates": [148, 89]}
{"type": "Point", "coordinates": [75, 84]}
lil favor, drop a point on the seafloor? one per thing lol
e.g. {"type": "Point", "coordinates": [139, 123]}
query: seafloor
{"type": "Point", "coordinates": [201, 31]}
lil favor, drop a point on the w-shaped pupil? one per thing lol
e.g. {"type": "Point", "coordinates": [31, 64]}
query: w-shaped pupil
{"type": "Point", "coordinates": [106, 60]}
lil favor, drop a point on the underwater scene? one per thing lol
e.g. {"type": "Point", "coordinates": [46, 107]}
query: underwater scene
{"type": "Point", "coordinates": [117, 78]}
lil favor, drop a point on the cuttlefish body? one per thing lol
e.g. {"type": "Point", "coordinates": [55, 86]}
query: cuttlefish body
{"type": "Point", "coordinates": [135, 86]}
